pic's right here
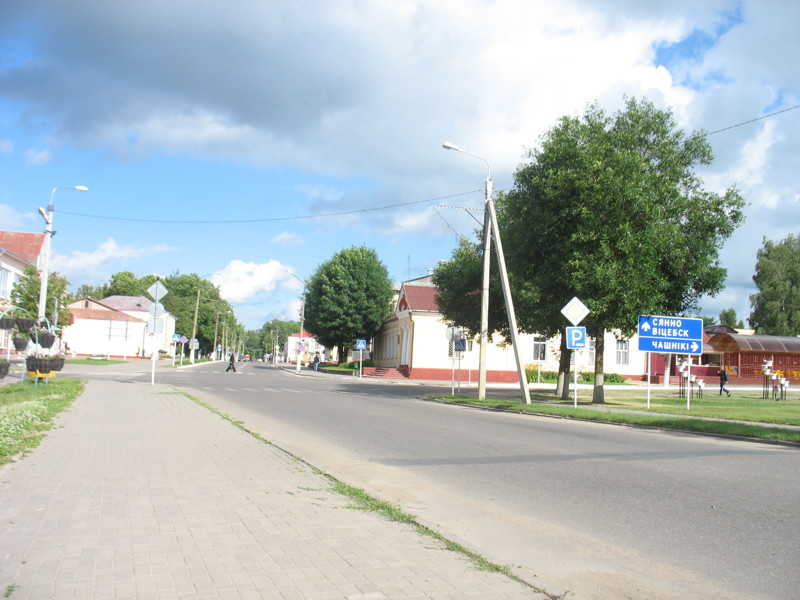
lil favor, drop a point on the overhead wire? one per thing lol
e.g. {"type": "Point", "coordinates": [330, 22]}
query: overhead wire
{"type": "Point", "coordinates": [355, 211]}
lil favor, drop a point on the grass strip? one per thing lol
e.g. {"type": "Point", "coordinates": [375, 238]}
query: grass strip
{"type": "Point", "coordinates": [363, 501]}
{"type": "Point", "coordinates": [622, 415]}
{"type": "Point", "coordinates": [28, 410]}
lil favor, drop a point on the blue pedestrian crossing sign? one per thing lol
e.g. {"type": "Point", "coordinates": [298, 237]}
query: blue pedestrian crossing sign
{"type": "Point", "coordinates": [670, 335]}
{"type": "Point", "coordinates": [576, 338]}
{"type": "Point", "coordinates": [361, 344]}
{"type": "Point", "coordinates": [460, 345]}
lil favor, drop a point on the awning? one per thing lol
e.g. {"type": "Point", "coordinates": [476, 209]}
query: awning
{"type": "Point", "coordinates": [734, 342]}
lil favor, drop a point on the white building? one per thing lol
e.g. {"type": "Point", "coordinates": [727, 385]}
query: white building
{"type": "Point", "coordinates": [414, 341]}
{"type": "Point", "coordinates": [101, 328]}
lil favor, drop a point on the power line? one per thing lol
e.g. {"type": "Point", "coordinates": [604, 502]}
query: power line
{"type": "Point", "coordinates": [777, 112]}
{"type": "Point", "coordinates": [222, 222]}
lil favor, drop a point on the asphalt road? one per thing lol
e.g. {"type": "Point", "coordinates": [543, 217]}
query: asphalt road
{"type": "Point", "coordinates": [601, 510]}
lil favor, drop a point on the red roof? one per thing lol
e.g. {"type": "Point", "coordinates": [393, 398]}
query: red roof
{"type": "Point", "coordinates": [418, 297]}
{"type": "Point", "coordinates": [305, 334]}
{"type": "Point", "coordinates": [26, 246]}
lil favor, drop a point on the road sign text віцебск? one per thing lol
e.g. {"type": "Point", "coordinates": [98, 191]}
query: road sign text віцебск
{"type": "Point", "coordinates": [670, 335]}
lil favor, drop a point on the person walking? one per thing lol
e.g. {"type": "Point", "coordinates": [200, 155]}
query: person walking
{"type": "Point", "coordinates": [231, 363]}
{"type": "Point", "coordinates": [723, 379]}
{"type": "Point", "coordinates": [316, 361]}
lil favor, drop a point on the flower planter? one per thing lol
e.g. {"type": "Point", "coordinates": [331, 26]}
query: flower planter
{"type": "Point", "coordinates": [56, 363]}
{"type": "Point", "coordinates": [7, 323]}
{"type": "Point", "coordinates": [34, 364]}
{"type": "Point", "coordinates": [25, 324]}
{"type": "Point", "coordinates": [4, 366]}
{"type": "Point", "coordinates": [44, 338]}
{"type": "Point", "coordinates": [20, 344]}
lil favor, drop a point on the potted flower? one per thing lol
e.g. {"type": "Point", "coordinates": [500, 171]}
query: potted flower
{"type": "Point", "coordinates": [4, 366]}
{"type": "Point", "coordinates": [56, 363]}
{"type": "Point", "coordinates": [7, 323]}
{"type": "Point", "coordinates": [20, 343]}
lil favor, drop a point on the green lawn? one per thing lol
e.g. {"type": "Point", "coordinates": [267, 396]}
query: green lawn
{"type": "Point", "coordinates": [27, 410]}
{"type": "Point", "coordinates": [667, 411]}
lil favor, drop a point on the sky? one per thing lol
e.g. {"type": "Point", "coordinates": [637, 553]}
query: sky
{"type": "Point", "coordinates": [249, 142]}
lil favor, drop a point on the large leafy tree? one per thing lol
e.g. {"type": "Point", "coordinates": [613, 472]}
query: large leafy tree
{"type": "Point", "coordinates": [348, 298]}
{"type": "Point", "coordinates": [608, 208]}
{"type": "Point", "coordinates": [25, 294]}
{"type": "Point", "coordinates": [774, 307]}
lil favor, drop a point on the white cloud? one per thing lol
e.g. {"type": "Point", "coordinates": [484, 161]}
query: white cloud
{"type": "Point", "coordinates": [35, 158]}
{"type": "Point", "coordinates": [239, 280]}
{"type": "Point", "coordinates": [287, 238]}
{"type": "Point", "coordinates": [95, 264]}
{"type": "Point", "coordinates": [6, 147]}
{"type": "Point", "coordinates": [13, 220]}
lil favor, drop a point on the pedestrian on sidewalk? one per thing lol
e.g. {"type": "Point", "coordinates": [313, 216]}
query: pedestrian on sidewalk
{"type": "Point", "coordinates": [723, 379]}
{"type": "Point", "coordinates": [316, 361]}
{"type": "Point", "coordinates": [231, 363]}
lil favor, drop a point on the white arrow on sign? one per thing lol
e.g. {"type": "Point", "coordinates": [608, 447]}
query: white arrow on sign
{"type": "Point", "coordinates": [646, 326]}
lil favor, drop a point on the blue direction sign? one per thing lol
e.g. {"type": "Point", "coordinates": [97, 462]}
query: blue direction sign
{"type": "Point", "coordinates": [576, 338]}
{"type": "Point", "coordinates": [670, 335]}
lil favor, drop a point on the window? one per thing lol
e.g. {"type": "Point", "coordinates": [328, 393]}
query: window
{"type": "Point", "coordinates": [539, 348]}
{"type": "Point", "coordinates": [622, 352]}
{"type": "Point", "coordinates": [5, 290]}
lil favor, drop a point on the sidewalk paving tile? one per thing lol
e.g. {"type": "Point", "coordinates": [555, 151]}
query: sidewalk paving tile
{"type": "Point", "coordinates": [140, 493]}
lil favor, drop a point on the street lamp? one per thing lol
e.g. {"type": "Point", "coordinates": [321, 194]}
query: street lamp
{"type": "Point", "coordinates": [490, 228]}
{"type": "Point", "coordinates": [302, 315]}
{"type": "Point", "coordinates": [48, 230]}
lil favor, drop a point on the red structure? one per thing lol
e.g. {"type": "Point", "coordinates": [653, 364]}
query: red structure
{"type": "Point", "coordinates": [744, 356]}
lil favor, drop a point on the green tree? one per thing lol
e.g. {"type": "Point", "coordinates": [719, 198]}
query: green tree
{"type": "Point", "coordinates": [125, 283]}
{"type": "Point", "coordinates": [276, 332]}
{"type": "Point", "coordinates": [191, 293]}
{"type": "Point", "coordinates": [728, 317]}
{"type": "Point", "coordinates": [88, 291]}
{"type": "Point", "coordinates": [609, 208]}
{"type": "Point", "coordinates": [348, 298]}
{"type": "Point", "coordinates": [25, 294]}
{"type": "Point", "coordinates": [774, 307]}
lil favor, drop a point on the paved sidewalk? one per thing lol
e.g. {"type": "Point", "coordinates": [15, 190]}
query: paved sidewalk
{"type": "Point", "coordinates": [140, 493]}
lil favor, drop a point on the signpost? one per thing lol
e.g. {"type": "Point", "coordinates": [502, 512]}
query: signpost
{"type": "Point", "coordinates": [157, 291]}
{"type": "Point", "coordinates": [361, 345]}
{"type": "Point", "coordinates": [576, 311]}
{"type": "Point", "coordinates": [453, 336]}
{"type": "Point", "coordinates": [671, 335]}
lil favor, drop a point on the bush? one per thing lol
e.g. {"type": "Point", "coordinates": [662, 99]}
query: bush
{"type": "Point", "coordinates": [354, 364]}
{"type": "Point", "coordinates": [544, 376]}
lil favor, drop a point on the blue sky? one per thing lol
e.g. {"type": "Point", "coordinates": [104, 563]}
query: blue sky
{"type": "Point", "coordinates": [243, 144]}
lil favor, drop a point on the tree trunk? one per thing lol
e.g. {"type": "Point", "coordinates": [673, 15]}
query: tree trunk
{"type": "Point", "coordinates": [598, 393]}
{"type": "Point", "coordinates": [562, 388]}
{"type": "Point", "coordinates": [342, 354]}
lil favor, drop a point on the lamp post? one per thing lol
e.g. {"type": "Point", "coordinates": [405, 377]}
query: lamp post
{"type": "Point", "coordinates": [302, 316]}
{"type": "Point", "coordinates": [48, 230]}
{"type": "Point", "coordinates": [491, 229]}
{"type": "Point", "coordinates": [216, 326]}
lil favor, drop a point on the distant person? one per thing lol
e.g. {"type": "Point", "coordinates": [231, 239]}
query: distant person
{"type": "Point", "coordinates": [316, 361]}
{"type": "Point", "coordinates": [723, 379]}
{"type": "Point", "coordinates": [231, 363]}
